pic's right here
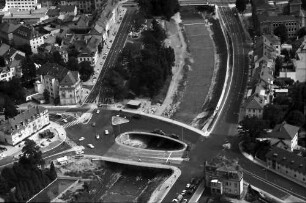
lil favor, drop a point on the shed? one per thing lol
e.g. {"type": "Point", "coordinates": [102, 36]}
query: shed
{"type": "Point", "coordinates": [133, 104]}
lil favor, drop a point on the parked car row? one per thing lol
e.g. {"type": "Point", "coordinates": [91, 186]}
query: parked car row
{"type": "Point", "coordinates": [190, 188]}
{"type": "Point", "coordinates": [160, 132]}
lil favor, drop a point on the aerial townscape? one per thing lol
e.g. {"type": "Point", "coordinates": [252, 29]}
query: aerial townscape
{"type": "Point", "coordinates": [198, 101]}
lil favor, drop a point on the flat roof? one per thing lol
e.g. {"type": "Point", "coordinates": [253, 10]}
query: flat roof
{"type": "Point", "coordinates": [134, 103]}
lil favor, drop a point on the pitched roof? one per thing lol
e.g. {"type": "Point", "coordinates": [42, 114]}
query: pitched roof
{"type": "Point", "coordinates": [284, 131]}
{"type": "Point", "coordinates": [288, 159]}
{"type": "Point", "coordinates": [53, 12]}
{"type": "Point", "coordinates": [26, 32]}
{"type": "Point", "coordinates": [254, 102]}
{"type": "Point", "coordinates": [272, 38]}
{"type": "Point", "coordinates": [53, 70]}
{"type": "Point", "coordinates": [8, 126]}
{"type": "Point", "coordinates": [4, 48]}
{"type": "Point", "coordinates": [8, 27]}
{"type": "Point", "coordinates": [71, 78]}
{"type": "Point", "coordinates": [66, 8]}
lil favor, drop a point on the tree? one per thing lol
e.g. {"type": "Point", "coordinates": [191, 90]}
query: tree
{"type": "Point", "coordinates": [11, 197]}
{"type": "Point", "coordinates": [240, 5]}
{"type": "Point", "coordinates": [301, 32]}
{"type": "Point", "coordinates": [138, 22]}
{"type": "Point", "coordinates": [26, 48]}
{"type": "Point", "coordinates": [32, 156]}
{"type": "Point", "coordinates": [304, 4]}
{"type": "Point", "coordinates": [282, 33]}
{"type": "Point", "coordinates": [72, 51]}
{"type": "Point", "coordinates": [28, 70]}
{"type": "Point", "coordinates": [2, 61]}
{"type": "Point", "coordinates": [58, 40]}
{"type": "Point", "coordinates": [10, 110]}
{"type": "Point", "coordinates": [72, 64]}
{"type": "Point", "coordinates": [296, 118]}
{"type": "Point", "coordinates": [57, 101]}
{"type": "Point", "coordinates": [253, 127]}
{"type": "Point", "coordinates": [58, 58]}
{"type": "Point", "coordinates": [86, 70]}
{"type": "Point", "coordinates": [52, 172]}
{"type": "Point", "coordinates": [46, 96]}
{"type": "Point", "coordinates": [274, 114]}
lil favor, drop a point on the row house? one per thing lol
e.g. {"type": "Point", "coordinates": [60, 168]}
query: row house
{"type": "Point", "coordinates": [21, 4]}
{"type": "Point", "coordinates": [283, 136]}
{"type": "Point", "coordinates": [60, 82]}
{"type": "Point", "coordinates": [27, 35]}
{"type": "Point", "coordinates": [14, 130]}
{"type": "Point", "coordinates": [287, 163]}
{"type": "Point", "coordinates": [223, 177]}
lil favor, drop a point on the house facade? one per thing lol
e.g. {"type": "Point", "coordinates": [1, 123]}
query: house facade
{"type": "Point", "coordinates": [70, 89]}
{"type": "Point", "coordinates": [287, 163]}
{"type": "Point", "coordinates": [84, 6]}
{"type": "Point", "coordinates": [27, 35]}
{"type": "Point", "coordinates": [15, 130]}
{"type": "Point", "coordinates": [224, 177]}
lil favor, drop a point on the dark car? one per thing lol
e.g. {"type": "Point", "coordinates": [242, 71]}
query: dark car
{"type": "Point", "coordinates": [136, 116]}
{"type": "Point", "coordinates": [158, 131]}
{"type": "Point", "coordinates": [174, 136]}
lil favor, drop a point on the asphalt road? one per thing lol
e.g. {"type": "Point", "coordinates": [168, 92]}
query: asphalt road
{"type": "Point", "coordinates": [112, 55]}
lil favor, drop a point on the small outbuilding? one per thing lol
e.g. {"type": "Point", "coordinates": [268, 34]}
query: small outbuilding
{"type": "Point", "coordinates": [133, 104]}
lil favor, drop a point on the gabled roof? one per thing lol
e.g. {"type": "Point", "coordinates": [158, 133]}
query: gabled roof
{"type": "Point", "coordinates": [53, 12]}
{"type": "Point", "coordinates": [254, 102]}
{"type": "Point", "coordinates": [71, 78]}
{"type": "Point", "coordinates": [4, 48]}
{"type": "Point", "coordinates": [53, 70]}
{"type": "Point", "coordinates": [272, 38]}
{"type": "Point", "coordinates": [8, 27]}
{"type": "Point", "coordinates": [25, 32]}
{"type": "Point", "coordinates": [288, 159]}
{"type": "Point", "coordinates": [284, 131]}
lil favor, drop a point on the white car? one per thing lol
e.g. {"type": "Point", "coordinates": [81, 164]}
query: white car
{"type": "Point", "coordinates": [82, 138]}
{"type": "Point", "coordinates": [65, 121]}
{"type": "Point", "coordinates": [98, 111]}
{"type": "Point", "coordinates": [91, 146]}
{"type": "Point", "coordinates": [106, 132]}
{"type": "Point", "coordinates": [97, 136]}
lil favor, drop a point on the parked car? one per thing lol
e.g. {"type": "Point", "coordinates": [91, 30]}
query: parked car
{"type": "Point", "coordinates": [93, 124]}
{"type": "Point", "coordinates": [65, 120]}
{"type": "Point", "coordinates": [82, 138]}
{"type": "Point", "coordinates": [97, 136]}
{"type": "Point", "coordinates": [136, 116]}
{"type": "Point", "coordinates": [174, 136]}
{"type": "Point", "coordinates": [158, 131]}
{"type": "Point", "coordinates": [98, 111]}
{"type": "Point", "coordinates": [106, 132]}
{"type": "Point", "coordinates": [91, 146]}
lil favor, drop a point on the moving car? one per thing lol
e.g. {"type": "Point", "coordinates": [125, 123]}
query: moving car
{"type": "Point", "coordinates": [82, 138]}
{"type": "Point", "coordinates": [91, 146]}
{"type": "Point", "coordinates": [65, 120]}
{"type": "Point", "coordinates": [106, 132]}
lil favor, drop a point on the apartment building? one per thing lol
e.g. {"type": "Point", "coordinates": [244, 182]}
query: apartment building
{"type": "Point", "coordinates": [70, 89]}
{"type": "Point", "coordinates": [84, 6]}
{"type": "Point", "coordinates": [223, 177]}
{"type": "Point", "coordinates": [21, 4]}
{"type": "Point", "coordinates": [27, 35]}
{"type": "Point", "coordinates": [25, 124]}
{"type": "Point", "coordinates": [287, 163]}
{"type": "Point", "coordinates": [88, 48]}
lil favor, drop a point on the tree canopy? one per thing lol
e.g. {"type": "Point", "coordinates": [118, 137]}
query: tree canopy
{"type": "Point", "coordinates": [32, 155]}
{"type": "Point", "coordinates": [253, 127]}
{"type": "Point", "coordinates": [86, 70]}
{"type": "Point", "coordinates": [296, 118]}
{"type": "Point", "coordinates": [282, 33]}
{"type": "Point", "coordinates": [28, 70]}
{"type": "Point", "coordinates": [72, 64]}
{"type": "Point", "coordinates": [164, 8]}
{"type": "Point", "coordinates": [274, 114]}
{"type": "Point", "coordinates": [240, 5]}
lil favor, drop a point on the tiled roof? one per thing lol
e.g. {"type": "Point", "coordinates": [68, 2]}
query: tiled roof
{"type": "Point", "coordinates": [66, 8]}
{"type": "Point", "coordinates": [54, 70]}
{"type": "Point", "coordinates": [8, 126]}
{"type": "Point", "coordinates": [53, 12]}
{"type": "Point", "coordinates": [281, 18]}
{"type": "Point", "coordinates": [272, 38]}
{"type": "Point", "coordinates": [4, 48]}
{"type": "Point", "coordinates": [8, 27]}
{"type": "Point", "coordinates": [288, 159]}
{"type": "Point", "coordinates": [284, 131]}
{"type": "Point", "coordinates": [25, 32]}
{"type": "Point", "coordinates": [254, 102]}
{"type": "Point", "coordinates": [71, 78]}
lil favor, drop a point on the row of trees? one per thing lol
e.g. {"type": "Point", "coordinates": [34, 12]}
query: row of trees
{"type": "Point", "coordinates": [142, 68]}
{"type": "Point", "coordinates": [163, 8]}
{"type": "Point", "coordinates": [20, 182]}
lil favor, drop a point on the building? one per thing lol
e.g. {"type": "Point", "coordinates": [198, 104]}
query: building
{"type": "Point", "coordinates": [224, 177]}
{"type": "Point", "coordinates": [88, 47]}
{"type": "Point", "coordinates": [27, 35]}
{"type": "Point", "coordinates": [70, 89]}
{"type": "Point", "coordinates": [272, 41]}
{"type": "Point", "coordinates": [61, 83]}
{"type": "Point", "coordinates": [29, 17]}
{"type": "Point", "coordinates": [6, 32]}
{"type": "Point", "coordinates": [84, 6]}
{"type": "Point", "coordinates": [254, 106]}
{"type": "Point", "coordinates": [70, 10]}
{"type": "Point", "coordinates": [6, 73]}
{"type": "Point", "coordinates": [14, 130]}
{"type": "Point", "coordinates": [287, 163]}
{"type": "Point", "coordinates": [300, 63]}
{"type": "Point", "coordinates": [21, 4]}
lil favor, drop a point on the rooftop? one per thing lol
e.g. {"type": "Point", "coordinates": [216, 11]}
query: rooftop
{"type": "Point", "coordinates": [71, 78]}
{"type": "Point", "coordinates": [288, 159]}
{"type": "Point", "coordinates": [255, 102]}
{"type": "Point", "coordinates": [284, 131]}
{"type": "Point", "coordinates": [53, 70]}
